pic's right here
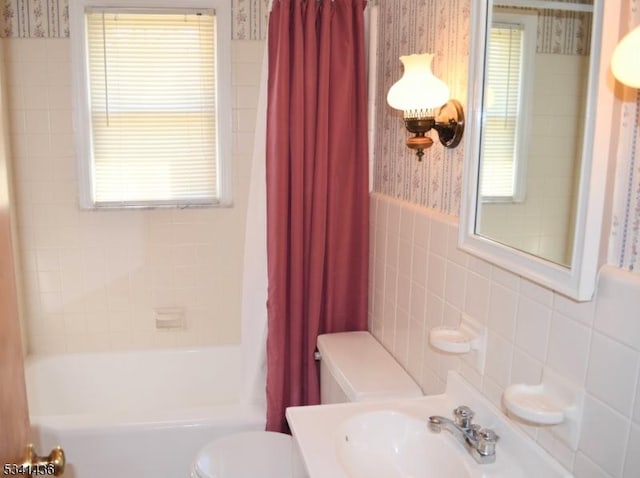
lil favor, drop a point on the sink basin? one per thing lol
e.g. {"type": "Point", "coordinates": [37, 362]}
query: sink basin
{"type": "Point", "coordinates": [391, 439]}
{"type": "Point", "coordinates": [390, 444]}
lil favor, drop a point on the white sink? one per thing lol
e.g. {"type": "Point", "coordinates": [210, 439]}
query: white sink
{"type": "Point", "coordinates": [391, 439]}
{"type": "Point", "coordinates": [390, 444]}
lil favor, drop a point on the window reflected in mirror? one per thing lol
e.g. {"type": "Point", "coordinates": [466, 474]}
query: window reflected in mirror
{"type": "Point", "coordinates": [536, 75]}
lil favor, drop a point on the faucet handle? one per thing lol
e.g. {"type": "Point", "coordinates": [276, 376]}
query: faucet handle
{"type": "Point", "coordinates": [487, 440]}
{"type": "Point", "coordinates": [463, 416]}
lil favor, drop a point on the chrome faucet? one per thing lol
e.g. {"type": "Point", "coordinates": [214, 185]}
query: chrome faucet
{"type": "Point", "coordinates": [480, 442]}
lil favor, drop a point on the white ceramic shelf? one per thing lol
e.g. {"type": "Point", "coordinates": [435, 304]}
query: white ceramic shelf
{"type": "Point", "coordinates": [469, 337]}
{"type": "Point", "coordinates": [555, 402]}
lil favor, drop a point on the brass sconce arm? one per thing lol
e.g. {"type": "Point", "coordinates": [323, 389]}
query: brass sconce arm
{"type": "Point", "coordinates": [449, 124]}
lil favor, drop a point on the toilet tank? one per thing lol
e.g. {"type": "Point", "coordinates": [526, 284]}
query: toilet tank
{"type": "Point", "coordinates": [355, 367]}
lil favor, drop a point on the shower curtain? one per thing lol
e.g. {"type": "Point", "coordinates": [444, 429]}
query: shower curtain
{"type": "Point", "coordinates": [317, 190]}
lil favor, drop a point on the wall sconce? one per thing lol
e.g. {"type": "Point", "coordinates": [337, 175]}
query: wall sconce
{"type": "Point", "coordinates": [421, 96]}
{"type": "Point", "coordinates": [625, 62]}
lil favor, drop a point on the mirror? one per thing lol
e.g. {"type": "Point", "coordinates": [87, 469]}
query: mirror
{"type": "Point", "coordinates": [535, 167]}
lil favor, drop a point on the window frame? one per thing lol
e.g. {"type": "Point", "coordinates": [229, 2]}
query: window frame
{"type": "Point", "coordinates": [529, 25]}
{"type": "Point", "coordinates": [82, 105]}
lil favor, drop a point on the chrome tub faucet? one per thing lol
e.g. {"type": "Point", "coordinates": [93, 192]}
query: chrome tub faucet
{"type": "Point", "coordinates": [479, 442]}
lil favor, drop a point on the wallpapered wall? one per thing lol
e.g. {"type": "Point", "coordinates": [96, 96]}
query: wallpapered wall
{"type": "Point", "coordinates": [625, 236]}
{"type": "Point", "coordinates": [50, 19]}
{"type": "Point", "coordinates": [442, 27]}
{"type": "Point", "coordinates": [418, 26]}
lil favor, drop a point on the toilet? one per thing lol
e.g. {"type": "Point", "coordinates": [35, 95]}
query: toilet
{"type": "Point", "coordinates": [354, 367]}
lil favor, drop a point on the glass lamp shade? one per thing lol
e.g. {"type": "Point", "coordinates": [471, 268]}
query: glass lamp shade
{"type": "Point", "coordinates": [418, 92]}
{"type": "Point", "coordinates": [625, 63]}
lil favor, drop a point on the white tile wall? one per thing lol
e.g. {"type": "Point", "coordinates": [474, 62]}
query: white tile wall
{"type": "Point", "coordinates": [92, 279]}
{"type": "Point", "coordinates": [594, 344]}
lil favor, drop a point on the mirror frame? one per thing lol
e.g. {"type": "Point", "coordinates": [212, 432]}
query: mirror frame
{"type": "Point", "coordinates": [579, 280]}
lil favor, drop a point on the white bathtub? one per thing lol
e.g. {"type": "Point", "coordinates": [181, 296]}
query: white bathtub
{"type": "Point", "coordinates": [136, 414]}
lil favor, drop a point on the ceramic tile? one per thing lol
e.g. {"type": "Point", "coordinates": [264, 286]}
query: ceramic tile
{"type": "Point", "coordinates": [536, 292]}
{"type": "Point", "coordinates": [436, 274]}
{"type": "Point", "coordinates": [615, 389]}
{"type": "Point", "coordinates": [505, 278]}
{"type": "Point", "coordinates": [419, 265]}
{"type": "Point", "coordinates": [407, 217]}
{"type": "Point", "coordinates": [502, 311]}
{"type": "Point", "coordinates": [477, 297]}
{"type": "Point", "coordinates": [632, 462]}
{"type": "Point", "coordinates": [580, 311]}
{"type": "Point", "coordinates": [455, 285]}
{"type": "Point", "coordinates": [499, 360]}
{"type": "Point", "coordinates": [618, 293]}
{"type": "Point", "coordinates": [602, 437]}
{"type": "Point", "coordinates": [439, 238]}
{"type": "Point", "coordinates": [525, 369]}
{"type": "Point", "coordinates": [569, 343]}
{"type": "Point", "coordinates": [532, 328]}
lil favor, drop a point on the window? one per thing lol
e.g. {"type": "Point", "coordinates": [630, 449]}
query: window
{"type": "Point", "coordinates": [510, 51]}
{"type": "Point", "coordinates": [153, 107]}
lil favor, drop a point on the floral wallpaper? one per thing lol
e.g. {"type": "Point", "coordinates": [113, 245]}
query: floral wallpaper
{"type": "Point", "coordinates": [35, 18]}
{"type": "Point", "coordinates": [250, 19]}
{"type": "Point", "coordinates": [560, 32]}
{"type": "Point", "coordinates": [625, 231]}
{"type": "Point", "coordinates": [50, 19]}
{"type": "Point", "coordinates": [564, 33]}
{"type": "Point", "coordinates": [419, 26]}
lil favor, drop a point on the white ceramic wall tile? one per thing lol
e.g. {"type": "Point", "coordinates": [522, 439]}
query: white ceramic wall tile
{"type": "Point", "coordinates": [419, 265]}
{"type": "Point", "coordinates": [477, 297]}
{"type": "Point", "coordinates": [525, 368]}
{"type": "Point", "coordinates": [455, 285]}
{"type": "Point", "coordinates": [499, 360]}
{"type": "Point", "coordinates": [569, 343]}
{"type": "Point", "coordinates": [536, 292]}
{"type": "Point", "coordinates": [416, 348]}
{"type": "Point", "coordinates": [421, 229]}
{"type": "Point", "coordinates": [417, 306]}
{"type": "Point", "coordinates": [604, 436]}
{"type": "Point", "coordinates": [93, 278]}
{"type": "Point", "coordinates": [530, 328]}
{"type": "Point", "coordinates": [632, 462]}
{"type": "Point", "coordinates": [618, 293]}
{"type": "Point", "coordinates": [454, 253]}
{"type": "Point", "coordinates": [439, 238]}
{"type": "Point", "coordinates": [406, 223]}
{"type": "Point", "coordinates": [505, 278]}
{"type": "Point", "coordinates": [503, 304]}
{"type": "Point", "coordinates": [436, 274]}
{"type": "Point", "coordinates": [636, 407]}
{"type": "Point", "coordinates": [612, 374]}
{"type": "Point", "coordinates": [580, 311]}
{"type": "Point", "coordinates": [533, 322]}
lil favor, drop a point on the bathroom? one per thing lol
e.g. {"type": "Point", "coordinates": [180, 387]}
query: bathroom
{"type": "Point", "coordinates": [92, 282]}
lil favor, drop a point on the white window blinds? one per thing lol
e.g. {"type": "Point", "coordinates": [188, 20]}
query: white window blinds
{"type": "Point", "coordinates": [502, 108]}
{"type": "Point", "coordinates": [152, 82]}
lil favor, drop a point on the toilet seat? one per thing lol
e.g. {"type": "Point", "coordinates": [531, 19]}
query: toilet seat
{"type": "Point", "coordinates": [256, 454]}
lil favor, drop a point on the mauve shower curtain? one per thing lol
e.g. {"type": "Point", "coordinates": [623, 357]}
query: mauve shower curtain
{"type": "Point", "coordinates": [317, 190]}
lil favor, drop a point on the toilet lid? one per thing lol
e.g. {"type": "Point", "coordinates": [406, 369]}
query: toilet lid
{"type": "Point", "coordinates": [245, 455]}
